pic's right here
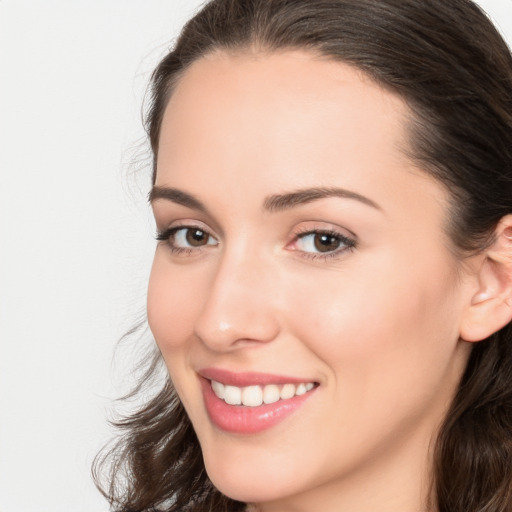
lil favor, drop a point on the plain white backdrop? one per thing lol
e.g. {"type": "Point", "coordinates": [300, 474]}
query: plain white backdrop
{"type": "Point", "coordinates": [76, 237]}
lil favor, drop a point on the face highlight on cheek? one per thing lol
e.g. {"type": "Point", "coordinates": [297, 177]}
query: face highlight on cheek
{"type": "Point", "coordinates": [302, 294]}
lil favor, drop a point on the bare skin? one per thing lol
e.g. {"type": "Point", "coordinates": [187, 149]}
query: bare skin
{"type": "Point", "coordinates": [357, 289]}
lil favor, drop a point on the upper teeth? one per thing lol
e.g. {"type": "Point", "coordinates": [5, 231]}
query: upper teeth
{"type": "Point", "coordinates": [253, 396]}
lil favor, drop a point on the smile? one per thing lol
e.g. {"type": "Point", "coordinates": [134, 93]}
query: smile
{"type": "Point", "coordinates": [250, 403]}
{"type": "Point", "coordinates": [255, 396]}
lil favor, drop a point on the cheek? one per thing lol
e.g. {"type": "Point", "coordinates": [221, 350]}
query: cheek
{"type": "Point", "coordinates": [172, 301]}
{"type": "Point", "coordinates": [383, 331]}
{"type": "Point", "coordinates": [171, 308]}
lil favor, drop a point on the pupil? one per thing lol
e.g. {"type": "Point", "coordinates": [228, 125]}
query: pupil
{"type": "Point", "coordinates": [196, 237]}
{"type": "Point", "coordinates": [326, 243]}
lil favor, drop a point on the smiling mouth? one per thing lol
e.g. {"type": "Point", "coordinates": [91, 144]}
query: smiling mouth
{"type": "Point", "coordinates": [255, 396]}
{"type": "Point", "coordinates": [249, 403]}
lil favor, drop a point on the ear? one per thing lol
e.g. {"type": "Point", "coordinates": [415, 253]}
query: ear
{"type": "Point", "coordinates": [491, 306]}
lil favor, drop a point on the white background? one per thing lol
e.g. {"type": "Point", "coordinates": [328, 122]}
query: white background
{"type": "Point", "coordinates": [75, 230]}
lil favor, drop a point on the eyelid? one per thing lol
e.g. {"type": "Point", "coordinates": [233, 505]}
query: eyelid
{"type": "Point", "coordinates": [185, 223]}
{"type": "Point", "coordinates": [167, 214]}
{"type": "Point", "coordinates": [164, 236]}
{"type": "Point", "coordinates": [346, 237]}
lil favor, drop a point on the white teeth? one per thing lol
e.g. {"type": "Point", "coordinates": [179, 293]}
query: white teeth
{"type": "Point", "coordinates": [232, 395]}
{"type": "Point", "coordinates": [287, 391]}
{"type": "Point", "coordinates": [271, 394]}
{"type": "Point", "coordinates": [301, 389]}
{"type": "Point", "coordinates": [254, 396]}
{"type": "Point", "coordinates": [218, 389]}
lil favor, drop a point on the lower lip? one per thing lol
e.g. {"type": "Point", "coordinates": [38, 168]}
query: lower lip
{"type": "Point", "coordinates": [240, 419]}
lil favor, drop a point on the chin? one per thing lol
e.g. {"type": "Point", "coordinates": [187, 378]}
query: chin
{"type": "Point", "coordinates": [249, 491]}
{"type": "Point", "coordinates": [250, 484]}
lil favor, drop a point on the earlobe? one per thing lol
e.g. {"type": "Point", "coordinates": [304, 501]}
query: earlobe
{"type": "Point", "coordinates": [491, 306]}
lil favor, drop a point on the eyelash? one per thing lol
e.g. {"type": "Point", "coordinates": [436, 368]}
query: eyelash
{"type": "Point", "coordinates": [167, 234]}
{"type": "Point", "coordinates": [346, 243]}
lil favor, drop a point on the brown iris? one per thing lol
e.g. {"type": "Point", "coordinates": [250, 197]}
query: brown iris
{"type": "Point", "coordinates": [326, 243]}
{"type": "Point", "coordinates": [196, 237]}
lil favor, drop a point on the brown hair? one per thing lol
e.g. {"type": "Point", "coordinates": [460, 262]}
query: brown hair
{"type": "Point", "coordinates": [453, 69]}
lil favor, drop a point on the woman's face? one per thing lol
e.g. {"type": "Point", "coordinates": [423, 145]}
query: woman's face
{"type": "Point", "coordinates": [303, 254]}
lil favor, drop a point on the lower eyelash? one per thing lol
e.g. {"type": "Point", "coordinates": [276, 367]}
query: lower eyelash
{"type": "Point", "coordinates": [165, 235]}
{"type": "Point", "coordinates": [328, 255]}
{"type": "Point", "coordinates": [349, 245]}
{"type": "Point", "coordinates": [179, 250]}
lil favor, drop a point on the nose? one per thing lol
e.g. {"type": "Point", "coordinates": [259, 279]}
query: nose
{"type": "Point", "coordinates": [240, 307]}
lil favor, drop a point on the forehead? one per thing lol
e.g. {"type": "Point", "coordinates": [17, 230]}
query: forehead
{"type": "Point", "coordinates": [283, 121]}
{"type": "Point", "coordinates": [291, 84]}
{"type": "Point", "coordinates": [278, 100]}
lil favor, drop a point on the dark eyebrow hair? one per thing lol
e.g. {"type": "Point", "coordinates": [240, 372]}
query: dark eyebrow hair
{"type": "Point", "coordinates": [272, 203]}
{"type": "Point", "coordinates": [176, 196]}
{"type": "Point", "coordinates": [291, 199]}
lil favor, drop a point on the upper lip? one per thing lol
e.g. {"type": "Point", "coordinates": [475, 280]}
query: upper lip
{"type": "Point", "coordinates": [243, 379]}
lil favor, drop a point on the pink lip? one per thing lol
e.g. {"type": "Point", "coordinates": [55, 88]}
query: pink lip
{"type": "Point", "coordinates": [247, 378]}
{"type": "Point", "coordinates": [239, 419]}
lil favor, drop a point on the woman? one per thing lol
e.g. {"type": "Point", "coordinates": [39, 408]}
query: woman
{"type": "Point", "coordinates": [332, 288]}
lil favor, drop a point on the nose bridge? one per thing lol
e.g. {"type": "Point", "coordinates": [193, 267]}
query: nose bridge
{"type": "Point", "coordinates": [239, 305]}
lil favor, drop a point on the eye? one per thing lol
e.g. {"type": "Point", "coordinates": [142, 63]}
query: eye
{"type": "Point", "coordinates": [323, 243]}
{"type": "Point", "coordinates": [186, 238]}
{"type": "Point", "coordinates": [191, 237]}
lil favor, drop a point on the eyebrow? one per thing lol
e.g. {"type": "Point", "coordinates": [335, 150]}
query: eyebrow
{"type": "Point", "coordinates": [176, 196]}
{"type": "Point", "coordinates": [289, 200]}
{"type": "Point", "coordinates": [273, 203]}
